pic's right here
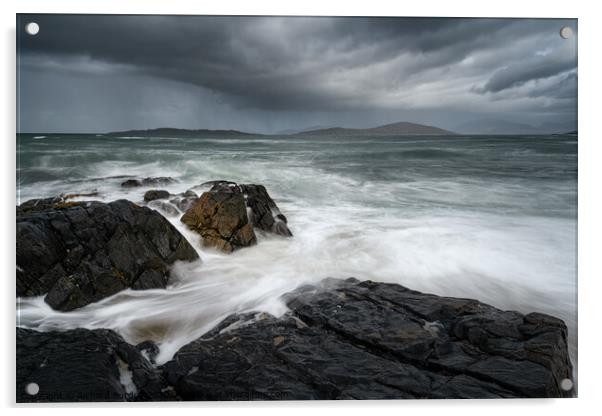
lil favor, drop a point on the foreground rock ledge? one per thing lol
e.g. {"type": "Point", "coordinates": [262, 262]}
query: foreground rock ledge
{"type": "Point", "coordinates": [341, 340]}
{"type": "Point", "coordinates": [80, 252]}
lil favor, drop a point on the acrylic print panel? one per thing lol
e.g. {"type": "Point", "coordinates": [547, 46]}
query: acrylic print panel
{"type": "Point", "coordinates": [295, 208]}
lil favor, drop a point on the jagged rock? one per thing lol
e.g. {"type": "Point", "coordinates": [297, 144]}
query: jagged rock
{"type": "Point", "coordinates": [84, 365]}
{"type": "Point", "coordinates": [226, 214]}
{"type": "Point", "coordinates": [367, 340]}
{"type": "Point", "coordinates": [154, 194]}
{"type": "Point", "coordinates": [264, 213]}
{"type": "Point", "coordinates": [150, 181]}
{"type": "Point", "coordinates": [80, 252]}
{"type": "Point", "coordinates": [220, 217]}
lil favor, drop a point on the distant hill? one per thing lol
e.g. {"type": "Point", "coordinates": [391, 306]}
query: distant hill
{"type": "Point", "coordinates": [403, 128]}
{"type": "Point", "coordinates": [173, 132]}
{"type": "Point", "coordinates": [395, 129]}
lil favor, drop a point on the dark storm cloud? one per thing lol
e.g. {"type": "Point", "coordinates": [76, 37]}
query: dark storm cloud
{"type": "Point", "coordinates": [308, 64]}
{"type": "Point", "coordinates": [536, 68]}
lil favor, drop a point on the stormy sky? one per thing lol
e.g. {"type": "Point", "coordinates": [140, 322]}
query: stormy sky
{"type": "Point", "coordinates": [87, 73]}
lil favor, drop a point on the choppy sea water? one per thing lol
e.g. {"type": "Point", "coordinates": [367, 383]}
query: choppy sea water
{"type": "Point", "coordinates": [490, 218]}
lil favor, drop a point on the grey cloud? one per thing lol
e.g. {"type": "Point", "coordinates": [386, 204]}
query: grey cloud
{"type": "Point", "coordinates": [535, 68]}
{"type": "Point", "coordinates": [305, 65]}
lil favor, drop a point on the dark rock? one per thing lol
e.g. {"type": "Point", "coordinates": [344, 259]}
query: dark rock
{"type": "Point", "coordinates": [367, 340]}
{"type": "Point", "coordinates": [81, 252]}
{"type": "Point", "coordinates": [264, 213]}
{"type": "Point", "coordinates": [84, 366]}
{"type": "Point", "coordinates": [220, 217]}
{"type": "Point", "coordinates": [131, 183]}
{"type": "Point", "coordinates": [161, 180]}
{"type": "Point", "coordinates": [156, 194]}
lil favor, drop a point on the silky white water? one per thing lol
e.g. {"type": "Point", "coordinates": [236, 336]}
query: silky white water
{"type": "Point", "coordinates": [487, 218]}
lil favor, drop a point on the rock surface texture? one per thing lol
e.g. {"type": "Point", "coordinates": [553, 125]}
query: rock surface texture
{"type": "Point", "coordinates": [341, 340]}
{"type": "Point", "coordinates": [264, 213]}
{"type": "Point", "coordinates": [225, 216]}
{"type": "Point", "coordinates": [84, 366]}
{"type": "Point", "coordinates": [80, 252]}
{"type": "Point", "coordinates": [352, 340]}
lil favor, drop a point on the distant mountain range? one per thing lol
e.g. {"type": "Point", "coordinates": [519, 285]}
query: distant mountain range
{"type": "Point", "coordinates": [483, 126]}
{"type": "Point", "coordinates": [173, 132]}
{"type": "Point", "coordinates": [395, 129]}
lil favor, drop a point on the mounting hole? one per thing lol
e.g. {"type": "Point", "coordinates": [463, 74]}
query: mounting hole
{"type": "Point", "coordinates": [566, 384]}
{"type": "Point", "coordinates": [566, 32]}
{"type": "Point", "coordinates": [32, 28]}
{"type": "Point", "coordinates": [32, 389]}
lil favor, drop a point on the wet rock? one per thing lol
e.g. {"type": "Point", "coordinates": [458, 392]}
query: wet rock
{"type": "Point", "coordinates": [80, 252]}
{"type": "Point", "coordinates": [220, 217]}
{"type": "Point", "coordinates": [150, 181]}
{"type": "Point", "coordinates": [154, 194]}
{"type": "Point", "coordinates": [227, 215]}
{"type": "Point", "coordinates": [131, 183]}
{"type": "Point", "coordinates": [263, 211]}
{"type": "Point", "coordinates": [84, 366]}
{"type": "Point", "coordinates": [367, 340]}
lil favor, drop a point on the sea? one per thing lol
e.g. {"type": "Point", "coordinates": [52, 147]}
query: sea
{"type": "Point", "coordinates": [492, 218]}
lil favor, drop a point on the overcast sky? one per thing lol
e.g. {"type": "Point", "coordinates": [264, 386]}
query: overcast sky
{"type": "Point", "coordinates": [87, 73]}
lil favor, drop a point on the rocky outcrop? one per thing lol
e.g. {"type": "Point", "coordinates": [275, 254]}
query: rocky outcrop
{"type": "Point", "coordinates": [220, 217]}
{"type": "Point", "coordinates": [154, 194]}
{"type": "Point", "coordinates": [263, 211]}
{"type": "Point", "coordinates": [84, 366]}
{"type": "Point", "coordinates": [151, 181]}
{"type": "Point", "coordinates": [340, 340]}
{"type": "Point", "coordinates": [225, 216]}
{"type": "Point", "coordinates": [367, 340]}
{"type": "Point", "coordinates": [80, 252]}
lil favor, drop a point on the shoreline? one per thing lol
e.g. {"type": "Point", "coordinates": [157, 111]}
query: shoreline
{"type": "Point", "coordinates": [429, 329]}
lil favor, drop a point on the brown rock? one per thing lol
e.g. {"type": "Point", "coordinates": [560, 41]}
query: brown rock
{"type": "Point", "coordinates": [220, 217]}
